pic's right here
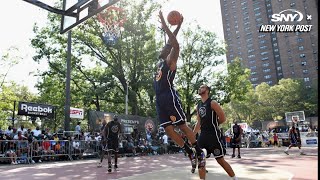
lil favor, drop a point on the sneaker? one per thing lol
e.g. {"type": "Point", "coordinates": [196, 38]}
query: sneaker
{"type": "Point", "coordinates": [232, 156]}
{"type": "Point", "coordinates": [115, 166]}
{"type": "Point", "coordinates": [239, 156]}
{"type": "Point", "coordinates": [193, 159]}
{"type": "Point", "coordinates": [99, 164]}
{"type": "Point", "coordinates": [109, 168]}
{"type": "Point", "coordinates": [32, 162]}
{"type": "Point", "coordinates": [39, 161]}
{"type": "Point", "coordinates": [286, 152]}
{"type": "Point", "coordinates": [202, 158]}
{"type": "Point", "coordinates": [302, 153]}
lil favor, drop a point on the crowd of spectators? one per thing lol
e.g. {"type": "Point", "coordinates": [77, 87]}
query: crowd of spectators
{"type": "Point", "coordinates": [16, 144]}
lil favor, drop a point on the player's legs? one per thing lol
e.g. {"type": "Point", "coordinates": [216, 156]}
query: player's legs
{"type": "Point", "coordinates": [239, 152]}
{"type": "Point", "coordinates": [174, 135]}
{"type": "Point", "coordinates": [226, 166]}
{"type": "Point", "coordinates": [109, 160]}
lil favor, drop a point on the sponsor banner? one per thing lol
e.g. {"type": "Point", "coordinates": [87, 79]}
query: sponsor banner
{"type": "Point", "coordinates": [34, 109]}
{"type": "Point", "coordinates": [76, 113]}
{"type": "Point", "coordinates": [128, 122]}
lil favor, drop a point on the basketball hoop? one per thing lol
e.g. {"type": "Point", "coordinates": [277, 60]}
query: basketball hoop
{"type": "Point", "coordinates": [112, 19]}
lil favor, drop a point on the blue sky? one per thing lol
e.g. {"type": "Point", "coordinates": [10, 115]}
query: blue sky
{"type": "Point", "coordinates": [18, 17]}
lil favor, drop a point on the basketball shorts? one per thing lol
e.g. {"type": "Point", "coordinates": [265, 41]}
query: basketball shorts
{"type": "Point", "coordinates": [235, 143]}
{"type": "Point", "coordinates": [113, 144]}
{"type": "Point", "coordinates": [212, 144]}
{"type": "Point", "coordinates": [169, 109]}
{"type": "Point", "coordinates": [295, 142]}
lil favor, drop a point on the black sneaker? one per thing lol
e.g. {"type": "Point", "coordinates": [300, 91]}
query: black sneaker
{"type": "Point", "coordinates": [232, 156]}
{"type": "Point", "coordinates": [115, 166]}
{"type": "Point", "coordinates": [202, 158]}
{"type": "Point", "coordinates": [193, 159]}
{"type": "Point", "coordinates": [109, 168]}
{"type": "Point", "coordinates": [286, 152]}
{"type": "Point", "coordinates": [239, 156]}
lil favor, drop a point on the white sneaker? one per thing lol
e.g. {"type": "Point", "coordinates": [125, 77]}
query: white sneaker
{"type": "Point", "coordinates": [32, 162]}
{"type": "Point", "coordinates": [39, 161]}
{"type": "Point", "coordinates": [99, 164]}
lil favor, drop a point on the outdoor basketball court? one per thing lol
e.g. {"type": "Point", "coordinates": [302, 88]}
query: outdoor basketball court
{"type": "Point", "coordinates": [255, 164]}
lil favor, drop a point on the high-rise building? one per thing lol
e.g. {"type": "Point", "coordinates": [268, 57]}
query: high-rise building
{"type": "Point", "coordinates": [274, 55]}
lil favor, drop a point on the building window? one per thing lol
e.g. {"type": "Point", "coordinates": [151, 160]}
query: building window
{"type": "Point", "coordinates": [263, 47]}
{"type": "Point", "coordinates": [267, 76]}
{"type": "Point", "coordinates": [300, 48]}
{"type": "Point", "coordinates": [276, 50]}
{"type": "Point", "coordinates": [254, 79]}
{"type": "Point", "coordinates": [305, 71]}
{"type": "Point", "coordinates": [252, 61]}
{"type": "Point", "coordinates": [306, 79]}
{"type": "Point", "coordinates": [302, 55]}
{"type": "Point", "coordinates": [264, 53]}
{"type": "Point", "coordinates": [250, 50]}
{"type": "Point", "coordinates": [262, 41]}
{"type": "Point", "coordinates": [253, 73]}
{"type": "Point", "coordinates": [303, 63]}
{"type": "Point", "coordinates": [266, 70]}
{"type": "Point", "coordinates": [265, 58]}
{"type": "Point", "coordinates": [299, 40]}
{"type": "Point", "coordinates": [253, 67]}
{"type": "Point", "coordinates": [265, 64]}
{"type": "Point", "coordinates": [279, 68]}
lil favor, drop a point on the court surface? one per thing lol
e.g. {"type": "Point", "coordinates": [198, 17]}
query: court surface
{"type": "Point", "coordinates": [255, 164]}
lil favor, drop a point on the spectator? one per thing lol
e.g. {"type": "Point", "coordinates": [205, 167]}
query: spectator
{"type": "Point", "coordinates": [11, 152]}
{"type": "Point", "coordinates": [165, 143]}
{"type": "Point", "coordinates": [19, 136]}
{"type": "Point", "coordinates": [22, 129]}
{"type": "Point", "coordinates": [14, 133]}
{"type": "Point", "coordinates": [9, 130]}
{"type": "Point", "coordinates": [275, 140]}
{"type": "Point", "coordinates": [36, 132]}
{"type": "Point", "coordinates": [78, 128]}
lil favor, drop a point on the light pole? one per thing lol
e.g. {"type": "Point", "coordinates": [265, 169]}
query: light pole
{"type": "Point", "coordinates": [127, 98]}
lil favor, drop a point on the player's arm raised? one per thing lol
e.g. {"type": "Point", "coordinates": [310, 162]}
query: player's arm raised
{"type": "Point", "coordinates": [217, 108]}
{"type": "Point", "coordinates": [174, 54]}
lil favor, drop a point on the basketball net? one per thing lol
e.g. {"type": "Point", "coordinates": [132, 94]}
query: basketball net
{"type": "Point", "coordinates": [112, 20]}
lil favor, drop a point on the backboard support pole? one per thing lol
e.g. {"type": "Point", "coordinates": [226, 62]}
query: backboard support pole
{"type": "Point", "coordinates": [68, 78]}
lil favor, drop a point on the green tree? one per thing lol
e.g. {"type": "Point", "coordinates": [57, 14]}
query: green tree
{"type": "Point", "coordinates": [101, 72]}
{"type": "Point", "coordinates": [8, 95]}
{"type": "Point", "coordinates": [199, 50]}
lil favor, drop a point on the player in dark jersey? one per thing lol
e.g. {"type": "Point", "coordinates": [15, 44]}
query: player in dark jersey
{"type": "Point", "coordinates": [236, 139]}
{"type": "Point", "coordinates": [168, 103]}
{"type": "Point", "coordinates": [295, 139]}
{"type": "Point", "coordinates": [103, 142]}
{"type": "Point", "coordinates": [210, 115]}
{"type": "Point", "coordinates": [112, 131]}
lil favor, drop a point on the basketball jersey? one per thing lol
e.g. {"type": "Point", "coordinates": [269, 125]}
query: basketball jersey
{"type": "Point", "coordinates": [163, 80]}
{"type": "Point", "coordinates": [208, 118]}
{"type": "Point", "coordinates": [236, 130]}
{"type": "Point", "coordinates": [113, 129]}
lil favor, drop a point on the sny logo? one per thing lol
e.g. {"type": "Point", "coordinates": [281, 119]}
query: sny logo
{"type": "Point", "coordinates": [295, 15]}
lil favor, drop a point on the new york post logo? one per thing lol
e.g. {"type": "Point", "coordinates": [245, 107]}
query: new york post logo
{"type": "Point", "coordinates": [287, 16]}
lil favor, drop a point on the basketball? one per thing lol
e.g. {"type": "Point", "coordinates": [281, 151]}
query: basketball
{"type": "Point", "coordinates": [174, 17]}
